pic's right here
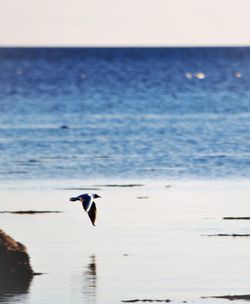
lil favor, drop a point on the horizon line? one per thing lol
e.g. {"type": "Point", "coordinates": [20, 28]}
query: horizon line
{"type": "Point", "coordinates": [123, 46]}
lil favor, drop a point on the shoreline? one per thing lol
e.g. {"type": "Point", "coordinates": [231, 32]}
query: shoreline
{"type": "Point", "coordinates": [102, 183]}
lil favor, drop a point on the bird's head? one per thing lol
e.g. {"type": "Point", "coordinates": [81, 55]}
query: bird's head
{"type": "Point", "coordinates": [74, 199]}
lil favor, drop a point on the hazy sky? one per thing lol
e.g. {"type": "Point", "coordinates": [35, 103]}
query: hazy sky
{"type": "Point", "coordinates": [124, 22]}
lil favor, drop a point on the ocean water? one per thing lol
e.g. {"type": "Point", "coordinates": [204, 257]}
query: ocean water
{"type": "Point", "coordinates": [164, 117]}
{"type": "Point", "coordinates": [86, 113]}
{"type": "Point", "coordinates": [162, 247]}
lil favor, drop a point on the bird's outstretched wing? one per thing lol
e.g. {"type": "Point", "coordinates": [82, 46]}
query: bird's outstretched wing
{"type": "Point", "coordinates": [92, 213]}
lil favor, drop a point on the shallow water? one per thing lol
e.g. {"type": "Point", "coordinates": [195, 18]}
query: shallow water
{"type": "Point", "coordinates": [151, 248]}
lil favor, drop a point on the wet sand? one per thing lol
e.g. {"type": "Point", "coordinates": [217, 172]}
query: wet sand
{"type": "Point", "coordinates": [151, 241]}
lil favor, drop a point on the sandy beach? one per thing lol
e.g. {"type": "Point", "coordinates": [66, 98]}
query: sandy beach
{"type": "Point", "coordinates": [155, 241]}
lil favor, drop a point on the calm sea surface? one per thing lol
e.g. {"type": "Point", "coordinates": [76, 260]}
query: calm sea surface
{"type": "Point", "coordinates": [126, 113]}
{"type": "Point", "coordinates": [156, 248]}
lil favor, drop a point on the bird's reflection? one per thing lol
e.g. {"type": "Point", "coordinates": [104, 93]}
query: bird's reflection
{"type": "Point", "coordinates": [90, 279]}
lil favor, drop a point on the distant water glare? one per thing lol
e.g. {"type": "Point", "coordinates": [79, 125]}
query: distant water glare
{"type": "Point", "coordinates": [127, 113]}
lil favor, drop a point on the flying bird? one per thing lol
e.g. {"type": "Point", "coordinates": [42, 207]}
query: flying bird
{"type": "Point", "coordinates": [88, 204]}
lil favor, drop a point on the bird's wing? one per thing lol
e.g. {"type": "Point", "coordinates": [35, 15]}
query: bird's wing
{"type": "Point", "coordinates": [92, 213]}
{"type": "Point", "coordinates": [86, 202]}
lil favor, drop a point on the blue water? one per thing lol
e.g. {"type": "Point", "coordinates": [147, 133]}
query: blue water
{"type": "Point", "coordinates": [89, 113]}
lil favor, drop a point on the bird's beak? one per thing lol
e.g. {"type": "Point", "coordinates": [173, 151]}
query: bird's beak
{"type": "Point", "coordinates": [98, 196]}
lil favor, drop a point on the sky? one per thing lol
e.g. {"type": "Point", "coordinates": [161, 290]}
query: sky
{"type": "Point", "coordinates": [124, 22]}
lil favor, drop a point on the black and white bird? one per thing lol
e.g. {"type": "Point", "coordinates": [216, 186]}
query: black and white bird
{"type": "Point", "coordinates": [88, 204]}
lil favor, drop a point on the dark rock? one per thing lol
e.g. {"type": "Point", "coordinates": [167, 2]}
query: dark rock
{"type": "Point", "coordinates": [120, 185]}
{"type": "Point", "coordinates": [225, 234]}
{"type": "Point", "coordinates": [30, 212]}
{"type": "Point", "coordinates": [131, 301]}
{"type": "Point", "coordinates": [236, 218]}
{"type": "Point", "coordinates": [145, 300]}
{"type": "Point", "coordinates": [231, 298]}
{"type": "Point", "coordinates": [14, 261]}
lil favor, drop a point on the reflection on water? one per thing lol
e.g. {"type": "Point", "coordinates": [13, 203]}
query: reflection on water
{"type": "Point", "coordinates": [14, 289]}
{"type": "Point", "coordinates": [90, 276]}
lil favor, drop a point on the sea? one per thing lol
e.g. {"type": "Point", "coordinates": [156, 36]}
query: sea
{"type": "Point", "coordinates": [163, 136]}
{"type": "Point", "coordinates": [103, 113]}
